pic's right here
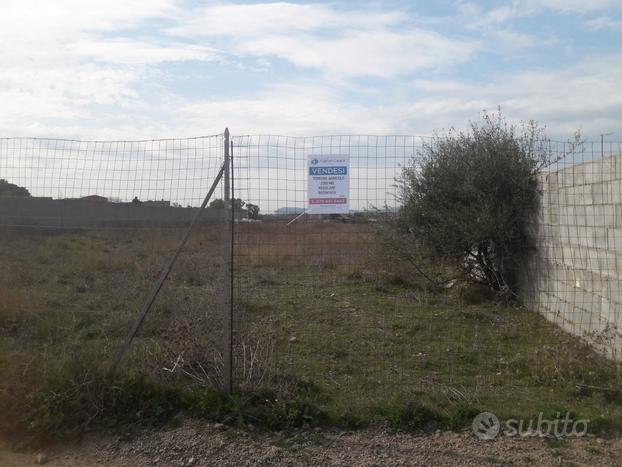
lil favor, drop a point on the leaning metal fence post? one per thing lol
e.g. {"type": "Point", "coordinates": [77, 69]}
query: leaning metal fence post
{"type": "Point", "coordinates": [227, 249]}
{"type": "Point", "coordinates": [155, 290]}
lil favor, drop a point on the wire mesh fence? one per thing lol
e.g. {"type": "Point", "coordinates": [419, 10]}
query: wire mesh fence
{"type": "Point", "coordinates": [334, 301]}
{"type": "Point", "coordinates": [308, 288]}
{"type": "Point", "coordinates": [83, 246]}
{"type": "Point", "coordinates": [93, 183]}
{"type": "Point", "coordinates": [338, 301]}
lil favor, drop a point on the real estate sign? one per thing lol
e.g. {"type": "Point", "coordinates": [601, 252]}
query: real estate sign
{"type": "Point", "coordinates": [328, 184]}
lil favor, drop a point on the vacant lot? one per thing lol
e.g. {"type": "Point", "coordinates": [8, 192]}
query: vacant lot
{"type": "Point", "coordinates": [329, 329]}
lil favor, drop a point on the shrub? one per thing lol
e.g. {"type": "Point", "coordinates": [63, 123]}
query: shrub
{"type": "Point", "coordinates": [469, 196]}
{"type": "Point", "coordinates": [10, 189]}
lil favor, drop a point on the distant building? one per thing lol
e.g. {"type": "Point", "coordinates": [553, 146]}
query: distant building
{"type": "Point", "coordinates": [157, 204]}
{"type": "Point", "coordinates": [94, 199]}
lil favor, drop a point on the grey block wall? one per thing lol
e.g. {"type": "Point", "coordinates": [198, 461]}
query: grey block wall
{"type": "Point", "coordinates": [574, 278]}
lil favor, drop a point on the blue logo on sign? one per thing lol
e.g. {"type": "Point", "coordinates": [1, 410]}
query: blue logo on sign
{"type": "Point", "coordinates": [315, 162]}
{"type": "Point", "coordinates": [328, 171]}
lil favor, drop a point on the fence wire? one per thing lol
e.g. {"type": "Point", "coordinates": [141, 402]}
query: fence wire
{"type": "Point", "coordinates": [83, 246]}
{"type": "Point", "coordinates": [331, 302]}
{"type": "Point", "coordinates": [104, 183]}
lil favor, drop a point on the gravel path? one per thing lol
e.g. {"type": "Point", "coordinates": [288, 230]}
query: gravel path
{"type": "Point", "coordinates": [208, 444]}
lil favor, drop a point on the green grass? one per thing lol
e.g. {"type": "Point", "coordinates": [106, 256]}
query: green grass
{"type": "Point", "coordinates": [373, 351]}
{"type": "Point", "coordinates": [372, 342]}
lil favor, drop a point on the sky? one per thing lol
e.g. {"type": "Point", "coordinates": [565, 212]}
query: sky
{"type": "Point", "coordinates": [133, 69]}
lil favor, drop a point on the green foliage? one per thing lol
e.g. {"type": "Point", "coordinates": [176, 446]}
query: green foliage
{"type": "Point", "coordinates": [54, 403]}
{"type": "Point", "coordinates": [253, 211]}
{"type": "Point", "coordinates": [264, 409]}
{"type": "Point", "coordinates": [470, 196]}
{"type": "Point", "coordinates": [138, 401]}
{"type": "Point", "coordinates": [219, 203]}
{"type": "Point", "coordinates": [47, 402]}
{"type": "Point", "coordinates": [10, 189]}
{"type": "Point", "coordinates": [416, 416]}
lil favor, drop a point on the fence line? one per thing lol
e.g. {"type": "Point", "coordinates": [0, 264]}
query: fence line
{"type": "Point", "coordinates": [323, 299]}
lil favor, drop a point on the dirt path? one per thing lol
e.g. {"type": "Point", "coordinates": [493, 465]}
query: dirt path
{"type": "Point", "coordinates": [203, 445]}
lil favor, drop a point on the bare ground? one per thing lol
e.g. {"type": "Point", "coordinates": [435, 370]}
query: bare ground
{"type": "Point", "coordinates": [212, 444]}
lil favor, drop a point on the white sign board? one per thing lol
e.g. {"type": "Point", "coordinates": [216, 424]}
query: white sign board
{"type": "Point", "coordinates": [328, 184]}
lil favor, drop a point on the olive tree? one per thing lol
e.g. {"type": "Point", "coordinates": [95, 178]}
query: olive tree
{"type": "Point", "coordinates": [469, 195]}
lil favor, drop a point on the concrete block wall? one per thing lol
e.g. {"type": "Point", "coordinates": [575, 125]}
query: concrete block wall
{"type": "Point", "coordinates": [574, 278]}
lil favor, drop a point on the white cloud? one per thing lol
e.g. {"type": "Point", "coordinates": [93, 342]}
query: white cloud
{"type": "Point", "coordinates": [504, 41]}
{"type": "Point", "coordinates": [278, 18]}
{"type": "Point", "coordinates": [295, 109]}
{"type": "Point", "coordinates": [475, 17]}
{"type": "Point", "coordinates": [478, 17]}
{"type": "Point", "coordinates": [84, 75]}
{"type": "Point", "coordinates": [604, 23]}
{"type": "Point", "coordinates": [580, 94]}
{"type": "Point", "coordinates": [569, 6]}
{"type": "Point", "coordinates": [585, 95]}
{"type": "Point", "coordinates": [33, 93]}
{"type": "Point", "coordinates": [346, 43]}
{"type": "Point", "coordinates": [61, 59]}
{"type": "Point", "coordinates": [135, 52]}
{"type": "Point", "coordinates": [440, 86]}
{"type": "Point", "coordinates": [372, 53]}
{"type": "Point", "coordinates": [504, 15]}
{"type": "Point", "coordinates": [43, 33]}
{"type": "Point", "coordinates": [40, 19]}
{"type": "Point", "coordinates": [494, 28]}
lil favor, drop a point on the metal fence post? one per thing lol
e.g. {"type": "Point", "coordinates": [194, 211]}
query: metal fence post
{"type": "Point", "coordinates": [227, 250]}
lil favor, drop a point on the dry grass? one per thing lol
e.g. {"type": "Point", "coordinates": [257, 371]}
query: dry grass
{"type": "Point", "coordinates": [315, 302]}
{"type": "Point", "coordinates": [305, 244]}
